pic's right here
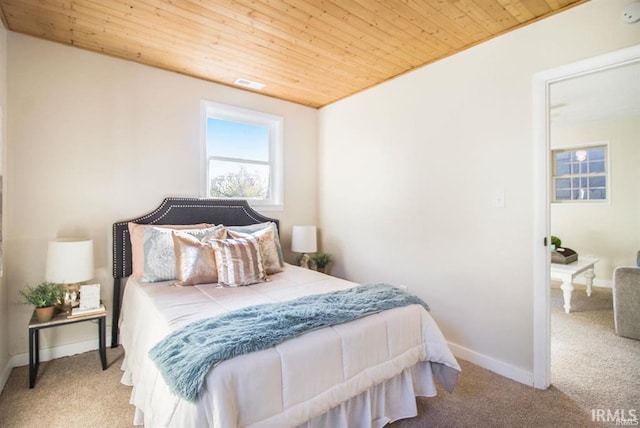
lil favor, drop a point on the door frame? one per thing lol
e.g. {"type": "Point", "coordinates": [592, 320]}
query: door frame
{"type": "Point", "coordinates": [541, 231]}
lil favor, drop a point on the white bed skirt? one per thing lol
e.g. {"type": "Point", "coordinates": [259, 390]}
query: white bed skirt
{"type": "Point", "coordinates": [387, 402]}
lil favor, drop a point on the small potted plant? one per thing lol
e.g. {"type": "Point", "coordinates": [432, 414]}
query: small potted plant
{"type": "Point", "coordinates": [44, 297]}
{"type": "Point", "coordinates": [321, 260]}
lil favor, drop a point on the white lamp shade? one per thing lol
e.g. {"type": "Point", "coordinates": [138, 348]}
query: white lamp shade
{"type": "Point", "coordinates": [69, 261]}
{"type": "Point", "coordinates": [303, 239]}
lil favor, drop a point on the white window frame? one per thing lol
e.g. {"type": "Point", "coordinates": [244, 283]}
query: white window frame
{"type": "Point", "coordinates": [275, 124]}
{"type": "Point", "coordinates": [577, 147]}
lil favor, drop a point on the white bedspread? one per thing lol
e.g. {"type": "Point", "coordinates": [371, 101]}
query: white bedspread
{"type": "Point", "coordinates": [304, 379]}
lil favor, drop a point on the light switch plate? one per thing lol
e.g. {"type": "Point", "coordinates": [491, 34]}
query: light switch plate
{"type": "Point", "coordinates": [498, 199]}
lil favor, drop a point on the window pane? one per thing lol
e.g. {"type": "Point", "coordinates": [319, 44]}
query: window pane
{"type": "Point", "coordinates": [579, 168]}
{"type": "Point", "coordinates": [237, 140]}
{"type": "Point", "coordinates": [597, 166]}
{"type": "Point", "coordinates": [579, 194]}
{"type": "Point", "coordinates": [563, 168]}
{"type": "Point", "coordinates": [597, 194]}
{"type": "Point", "coordinates": [563, 156]}
{"type": "Point", "coordinates": [596, 154]}
{"type": "Point", "coordinates": [579, 155]}
{"type": "Point", "coordinates": [563, 195]}
{"type": "Point", "coordinates": [579, 182]}
{"type": "Point", "coordinates": [563, 183]}
{"type": "Point", "coordinates": [583, 167]}
{"type": "Point", "coordinates": [238, 180]}
{"type": "Point", "coordinates": [600, 181]}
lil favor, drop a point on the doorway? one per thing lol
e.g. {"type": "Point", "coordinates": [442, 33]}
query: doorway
{"type": "Point", "coordinates": [543, 99]}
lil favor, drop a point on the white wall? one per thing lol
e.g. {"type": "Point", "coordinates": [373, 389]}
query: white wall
{"type": "Point", "coordinates": [93, 140]}
{"type": "Point", "coordinates": [408, 169]}
{"type": "Point", "coordinates": [4, 307]}
{"type": "Point", "coordinates": [609, 230]}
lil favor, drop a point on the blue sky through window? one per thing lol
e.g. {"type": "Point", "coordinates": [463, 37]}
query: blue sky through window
{"type": "Point", "coordinates": [237, 140]}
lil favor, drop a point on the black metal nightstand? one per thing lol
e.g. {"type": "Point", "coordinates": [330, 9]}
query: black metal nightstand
{"type": "Point", "coordinates": [62, 319]}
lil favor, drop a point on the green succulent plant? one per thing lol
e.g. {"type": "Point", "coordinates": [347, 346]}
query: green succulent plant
{"type": "Point", "coordinates": [43, 295]}
{"type": "Point", "coordinates": [556, 241]}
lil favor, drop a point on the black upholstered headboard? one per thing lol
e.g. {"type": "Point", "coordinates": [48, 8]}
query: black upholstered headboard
{"type": "Point", "coordinates": [229, 212]}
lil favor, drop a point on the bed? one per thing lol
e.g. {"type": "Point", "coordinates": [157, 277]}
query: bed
{"type": "Point", "coordinates": [362, 373]}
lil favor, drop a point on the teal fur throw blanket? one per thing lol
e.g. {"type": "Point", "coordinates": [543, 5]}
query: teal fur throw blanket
{"type": "Point", "coordinates": [185, 356]}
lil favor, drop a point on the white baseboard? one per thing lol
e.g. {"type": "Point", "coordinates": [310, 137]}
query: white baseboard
{"type": "Point", "coordinates": [60, 351]}
{"type": "Point", "coordinates": [47, 354]}
{"type": "Point", "coordinates": [491, 364]}
{"type": "Point", "coordinates": [4, 376]}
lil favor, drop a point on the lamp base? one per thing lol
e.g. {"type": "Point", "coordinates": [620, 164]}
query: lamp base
{"type": "Point", "coordinates": [71, 297]}
{"type": "Point", "coordinates": [303, 260]}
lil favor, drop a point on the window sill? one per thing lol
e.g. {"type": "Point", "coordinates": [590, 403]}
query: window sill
{"type": "Point", "coordinates": [260, 207]}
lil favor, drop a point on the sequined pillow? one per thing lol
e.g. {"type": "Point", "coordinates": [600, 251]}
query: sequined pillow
{"type": "Point", "coordinates": [195, 260]}
{"type": "Point", "coordinates": [238, 261]}
{"type": "Point", "coordinates": [159, 253]}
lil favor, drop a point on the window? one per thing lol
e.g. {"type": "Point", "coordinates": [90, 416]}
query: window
{"type": "Point", "coordinates": [243, 155]}
{"type": "Point", "coordinates": [580, 174]}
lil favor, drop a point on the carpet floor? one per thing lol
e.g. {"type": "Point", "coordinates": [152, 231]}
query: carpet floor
{"type": "Point", "coordinates": [592, 368]}
{"type": "Point", "coordinates": [589, 362]}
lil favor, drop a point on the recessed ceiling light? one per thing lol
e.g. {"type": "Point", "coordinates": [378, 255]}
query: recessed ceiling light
{"type": "Point", "coordinates": [249, 83]}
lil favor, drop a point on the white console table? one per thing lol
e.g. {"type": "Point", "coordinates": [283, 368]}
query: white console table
{"type": "Point", "coordinates": [566, 274]}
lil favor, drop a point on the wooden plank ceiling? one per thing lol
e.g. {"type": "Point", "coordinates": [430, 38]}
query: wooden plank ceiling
{"type": "Point", "coordinates": [311, 52]}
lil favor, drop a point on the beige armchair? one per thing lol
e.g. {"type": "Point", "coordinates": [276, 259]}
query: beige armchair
{"type": "Point", "coordinates": [626, 300]}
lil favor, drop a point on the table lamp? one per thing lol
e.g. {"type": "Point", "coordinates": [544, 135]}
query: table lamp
{"type": "Point", "coordinates": [70, 262]}
{"type": "Point", "coordinates": [303, 240]}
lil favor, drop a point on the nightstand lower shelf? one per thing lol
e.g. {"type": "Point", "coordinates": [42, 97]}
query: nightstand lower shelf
{"type": "Point", "coordinates": [59, 320]}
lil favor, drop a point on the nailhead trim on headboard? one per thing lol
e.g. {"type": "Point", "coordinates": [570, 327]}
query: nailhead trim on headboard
{"type": "Point", "coordinates": [180, 209]}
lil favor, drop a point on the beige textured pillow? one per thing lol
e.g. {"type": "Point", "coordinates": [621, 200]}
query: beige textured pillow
{"type": "Point", "coordinates": [252, 228]}
{"type": "Point", "coordinates": [195, 260]}
{"type": "Point", "coordinates": [268, 248]}
{"type": "Point", "coordinates": [136, 234]}
{"type": "Point", "coordinates": [239, 261]}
